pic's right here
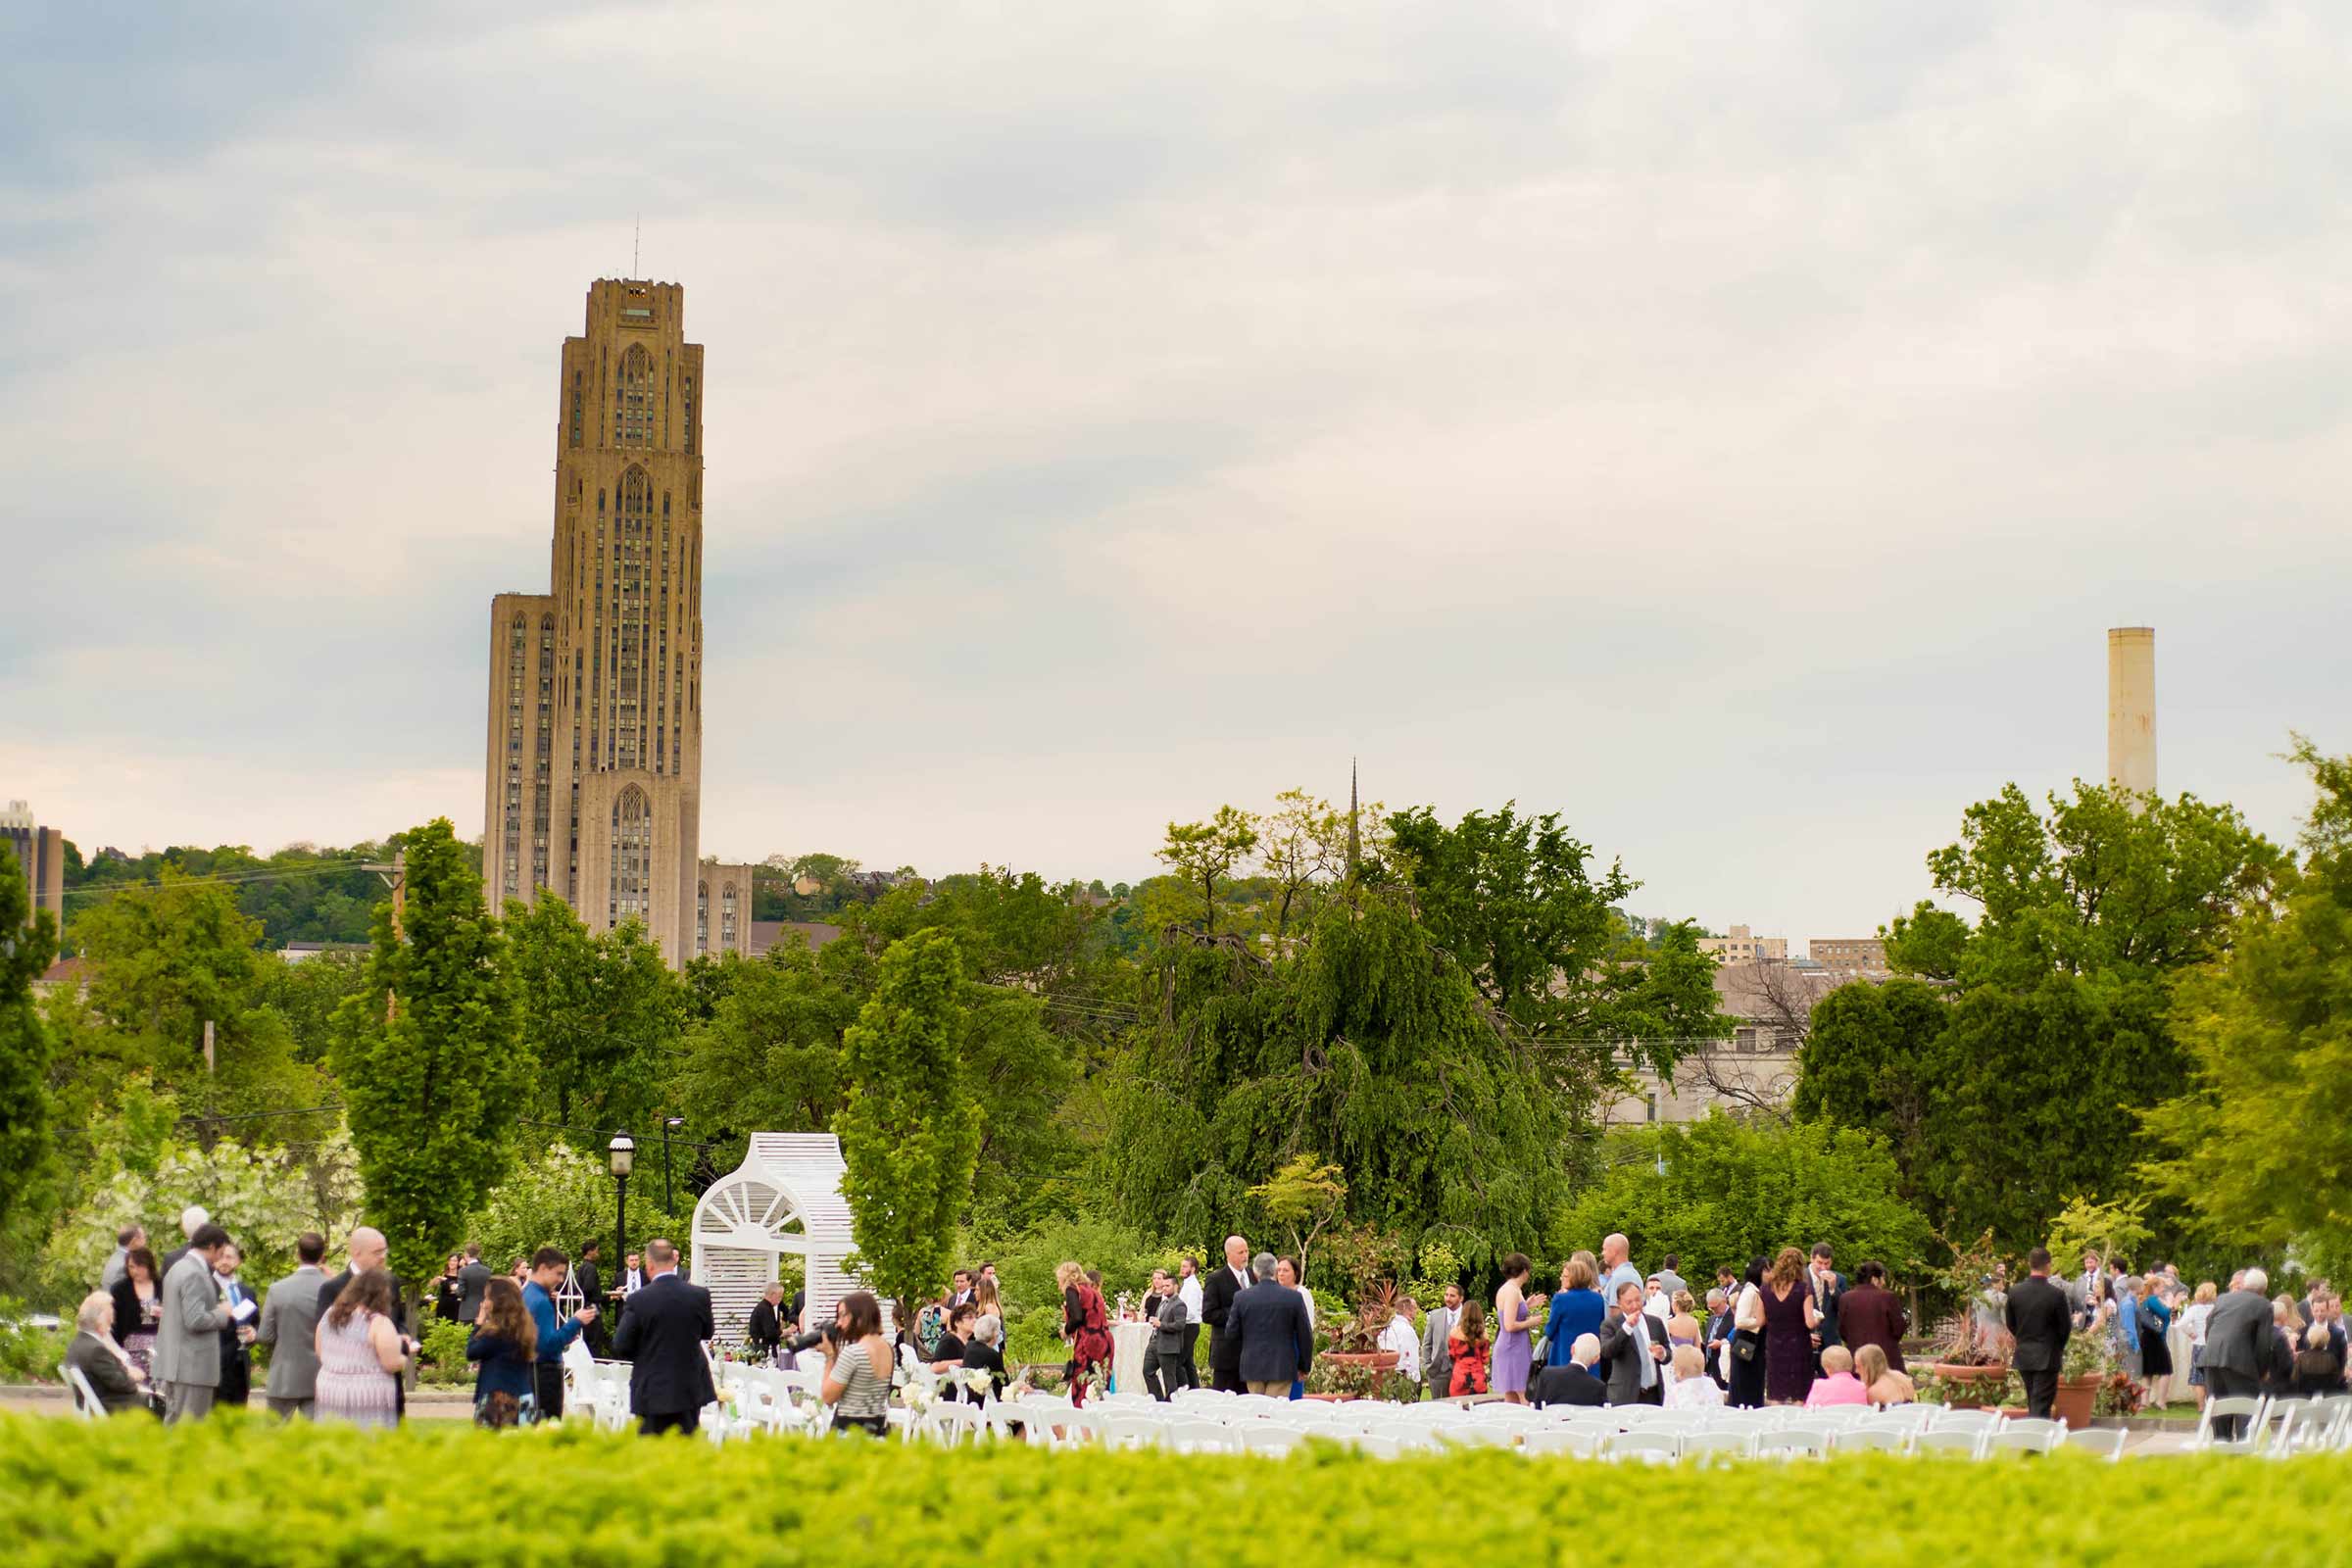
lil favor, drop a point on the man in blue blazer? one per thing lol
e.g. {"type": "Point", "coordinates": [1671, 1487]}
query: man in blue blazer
{"type": "Point", "coordinates": [1277, 1340]}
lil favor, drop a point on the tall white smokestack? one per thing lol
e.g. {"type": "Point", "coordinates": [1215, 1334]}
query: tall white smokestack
{"type": "Point", "coordinates": [2131, 708]}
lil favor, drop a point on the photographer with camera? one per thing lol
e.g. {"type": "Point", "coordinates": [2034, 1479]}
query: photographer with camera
{"type": "Point", "coordinates": [857, 1365]}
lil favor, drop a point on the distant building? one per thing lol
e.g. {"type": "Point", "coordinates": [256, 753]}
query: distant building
{"type": "Point", "coordinates": [298, 952]}
{"type": "Point", "coordinates": [722, 910]}
{"type": "Point", "coordinates": [767, 934]}
{"type": "Point", "coordinates": [41, 852]}
{"type": "Point", "coordinates": [64, 974]}
{"type": "Point", "coordinates": [1852, 958]}
{"type": "Point", "coordinates": [1743, 946]}
{"type": "Point", "coordinates": [1754, 1069]}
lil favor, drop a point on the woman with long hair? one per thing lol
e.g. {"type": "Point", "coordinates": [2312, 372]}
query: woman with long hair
{"type": "Point", "coordinates": [1470, 1349]}
{"type": "Point", "coordinates": [359, 1355]}
{"type": "Point", "coordinates": [1086, 1324]}
{"type": "Point", "coordinates": [857, 1366]}
{"type": "Point", "coordinates": [1789, 1320]}
{"type": "Point", "coordinates": [1746, 1347]}
{"type": "Point", "coordinates": [1514, 1332]}
{"type": "Point", "coordinates": [1881, 1381]}
{"type": "Point", "coordinates": [138, 1308]}
{"type": "Point", "coordinates": [2155, 1322]}
{"type": "Point", "coordinates": [503, 1345]}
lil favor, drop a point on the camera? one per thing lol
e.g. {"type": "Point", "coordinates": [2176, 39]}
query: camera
{"type": "Point", "coordinates": [809, 1340]}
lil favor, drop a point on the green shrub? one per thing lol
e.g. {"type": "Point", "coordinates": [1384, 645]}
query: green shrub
{"type": "Point", "coordinates": [442, 1358]}
{"type": "Point", "coordinates": [245, 1491]}
{"type": "Point", "coordinates": [28, 1354]}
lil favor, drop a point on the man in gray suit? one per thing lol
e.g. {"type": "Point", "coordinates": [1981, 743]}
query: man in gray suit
{"type": "Point", "coordinates": [186, 1360]}
{"type": "Point", "coordinates": [474, 1280]}
{"type": "Point", "coordinates": [289, 1327]}
{"type": "Point", "coordinates": [1437, 1355]}
{"type": "Point", "coordinates": [2238, 1345]}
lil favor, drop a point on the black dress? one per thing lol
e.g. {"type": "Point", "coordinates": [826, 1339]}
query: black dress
{"type": "Point", "coordinates": [1746, 1386]}
{"type": "Point", "coordinates": [988, 1358]}
{"type": "Point", "coordinates": [1788, 1345]}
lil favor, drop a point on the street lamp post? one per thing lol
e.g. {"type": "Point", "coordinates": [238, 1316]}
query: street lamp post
{"type": "Point", "coordinates": [669, 1124]}
{"type": "Point", "coordinates": [622, 1150]}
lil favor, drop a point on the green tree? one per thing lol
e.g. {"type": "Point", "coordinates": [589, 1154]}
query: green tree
{"type": "Point", "coordinates": [1514, 899]}
{"type": "Point", "coordinates": [1205, 854]}
{"type": "Point", "coordinates": [1366, 1043]}
{"type": "Point", "coordinates": [1731, 1189]}
{"type": "Point", "coordinates": [1303, 1196]}
{"type": "Point", "coordinates": [562, 1196]}
{"type": "Point", "coordinates": [28, 942]}
{"type": "Point", "coordinates": [910, 1131]}
{"type": "Point", "coordinates": [1870, 1062]}
{"type": "Point", "coordinates": [432, 1093]}
{"type": "Point", "coordinates": [2258, 1145]}
{"type": "Point", "coordinates": [599, 1015]}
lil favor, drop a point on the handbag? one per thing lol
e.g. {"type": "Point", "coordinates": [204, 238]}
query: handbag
{"type": "Point", "coordinates": [1743, 1343]}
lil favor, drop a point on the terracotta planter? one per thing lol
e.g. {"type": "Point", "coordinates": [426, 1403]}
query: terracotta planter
{"type": "Point", "coordinates": [1971, 1386]}
{"type": "Point", "coordinates": [1377, 1360]}
{"type": "Point", "coordinates": [1330, 1399]}
{"type": "Point", "coordinates": [2077, 1396]}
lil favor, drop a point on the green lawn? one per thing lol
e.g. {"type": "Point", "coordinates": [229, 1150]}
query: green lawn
{"type": "Point", "coordinates": [246, 1493]}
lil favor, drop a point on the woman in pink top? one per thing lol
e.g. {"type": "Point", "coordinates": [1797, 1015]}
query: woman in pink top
{"type": "Point", "coordinates": [1836, 1383]}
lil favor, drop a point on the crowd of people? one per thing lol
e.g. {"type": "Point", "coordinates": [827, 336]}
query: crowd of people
{"type": "Point", "coordinates": [176, 1337]}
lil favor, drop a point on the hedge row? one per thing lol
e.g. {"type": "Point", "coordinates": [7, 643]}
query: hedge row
{"type": "Point", "coordinates": [243, 1493]}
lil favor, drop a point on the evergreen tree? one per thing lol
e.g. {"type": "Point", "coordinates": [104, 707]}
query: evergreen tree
{"type": "Point", "coordinates": [432, 1094]}
{"type": "Point", "coordinates": [910, 1131]}
{"type": "Point", "coordinates": [26, 945]}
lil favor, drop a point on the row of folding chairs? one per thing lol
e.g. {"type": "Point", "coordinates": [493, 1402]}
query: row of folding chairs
{"type": "Point", "coordinates": [2279, 1428]}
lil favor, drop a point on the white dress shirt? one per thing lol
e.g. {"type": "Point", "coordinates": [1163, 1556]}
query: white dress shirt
{"type": "Point", "coordinates": [1399, 1337]}
{"type": "Point", "coordinates": [1188, 1292]}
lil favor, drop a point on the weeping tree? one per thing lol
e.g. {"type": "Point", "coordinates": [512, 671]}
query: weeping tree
{"type": "Point", "coordinates": [433, 1075]}
{"type": "Point", "coordinates": [1367, 1045]}
{"type": "Point", "coordinates": [910, 1129]}
{"type": "Point", "coordinates": [28, 942]}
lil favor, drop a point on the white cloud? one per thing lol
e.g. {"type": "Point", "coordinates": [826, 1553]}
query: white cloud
{"type": "Point", "coordinates": [1731, 427]}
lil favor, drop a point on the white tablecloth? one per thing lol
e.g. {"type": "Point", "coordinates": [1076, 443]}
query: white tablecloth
{"type": "Point", "coordinates": [1130, 1342]}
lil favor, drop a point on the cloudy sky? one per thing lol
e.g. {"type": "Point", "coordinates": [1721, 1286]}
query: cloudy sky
{"type": "Point", "coordinates": [1730, 427]}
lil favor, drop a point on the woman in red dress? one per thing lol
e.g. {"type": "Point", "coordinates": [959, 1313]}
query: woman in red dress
{"type": "Point", "coordinates": [1086, 1324]}
{"type": "Point", "coordinates": [1471, 1349]}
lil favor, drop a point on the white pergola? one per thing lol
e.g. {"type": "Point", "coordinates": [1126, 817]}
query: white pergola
{"type": "Point", "coordinates": [784, 1197]}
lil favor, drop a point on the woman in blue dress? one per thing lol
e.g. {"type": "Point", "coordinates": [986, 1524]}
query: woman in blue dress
{"type": "Point", "coordinates": [1576, 1309]}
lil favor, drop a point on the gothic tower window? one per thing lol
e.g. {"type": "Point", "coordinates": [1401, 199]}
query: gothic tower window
{"type": "Point", "coordinates": [631, 883]}
{"type": "Point", "coordinates": [702, 917]}
{"type": "Point", "coordinates": [633, 400]}
{"type": "Point", "coordinates": [726, 917]}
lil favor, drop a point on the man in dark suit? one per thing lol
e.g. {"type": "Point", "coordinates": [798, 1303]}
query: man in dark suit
{"type": "Point", "coordinates": [1829, 1293]}
{"type": "Point", "coordinates": [662, 1332]}
{"type": "Point", "coordinates": [1573, 1384]}
{"type": "Point", "coordinates": [236, 1360]}
{"type": "Point", "coordinates": [764, 1333]}
{"type": "Point", "coordinates": [368, 1252]}
{"type": "Point", "coordinates": [1717, 1334]}
{"type": "Point", "coordinates": [1632, 1347]}
{"type": "Point", "coordinates": [1274, 1341]}
{"type": "Point", "coordinates": [2041, 1320]}
{"type": "Point", "coordinates": [1217, 1295]}
{"type": "Point", "coordinates": [2240, 1346]}
{"type": "Point", "coordinates": [589, 1280]}
{"type": "Point", "coordinates": [474, 1281]}
{"type": "Point", "coordinates": [1872, 1315]}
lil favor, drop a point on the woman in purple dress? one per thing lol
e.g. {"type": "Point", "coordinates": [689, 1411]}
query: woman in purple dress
{"type": "Point", "coordinates": [1789, 1320]}
{"type": "Point", "coordinates": [1515, 1345]}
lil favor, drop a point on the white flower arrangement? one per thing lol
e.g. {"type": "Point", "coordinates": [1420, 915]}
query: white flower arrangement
{"type": "Point", "coordinates": [978, 1380]}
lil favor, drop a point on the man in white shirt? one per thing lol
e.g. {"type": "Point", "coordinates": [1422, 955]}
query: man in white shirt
{"type": "Point", "coordinates": [632, 1275]}
{"type": "Point", "coordinates": [1399, 1337]}
{"type": "Point", "coordinates": [1616, 1267]}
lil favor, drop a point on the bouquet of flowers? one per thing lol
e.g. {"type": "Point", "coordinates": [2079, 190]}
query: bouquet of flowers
{"type": "Point", "coordinates": [915, 1397]}
{"type": "Point", "coordinates": [977, 1380]}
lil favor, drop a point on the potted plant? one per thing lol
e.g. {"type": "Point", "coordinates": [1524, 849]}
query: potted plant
{"type": "Point", "coordinates": [1357, 1342]}
{"type": "Point", "coordinates": [1352, 1379]}
{"type": "Point", "coordinates": [2089, 1363]}
{"type": "Point", "coordinates": [1970, 1354]}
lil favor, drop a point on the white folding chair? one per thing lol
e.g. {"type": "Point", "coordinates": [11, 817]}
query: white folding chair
{"type": "Point", "coordinates": [1123, 1429]}
{"type": "Point", "coordinates": [1720, 1443]}
{"type": "Point", "coordinates": [2026, 1435]}
{"type": "Point", "coordinates": [86, 1403]}
{"type": "Point", "coordinates": [1652, 1447]}
{"type": "Point", "coordinates": [1267, 1436]}
{"type": "Point", "coordinates": [1790, 1442]}
{"type": "Point", "coordinates": [1940, 1439]}
{"type": "Point", "coordinates": [2105, 1442]}
{"type": "Point", "coordinates": [1480, 1434]}
{"type": "Point", "coordinates": [1202, 1436]}
{"type": "Point", "coordinates": [1859, 1440]}
{"type": "Point", "coordinates": [2254, 1408]}
{"type": "Point", "coordinates": [1378, 1446]}
{"type": "Point", "coordinates": [1560, 1439]}
{"type": "Point", "coordinates": [1952, 1420]}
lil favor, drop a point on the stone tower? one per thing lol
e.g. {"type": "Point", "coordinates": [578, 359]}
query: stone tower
{"type": "Point", "coordinates": [2131, 708]}
{"type": "Point", "coordinates": [594, 785]}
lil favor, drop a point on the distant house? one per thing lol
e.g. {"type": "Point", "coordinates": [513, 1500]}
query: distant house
{"type": "Point", "coordinates": [74, 972]}
{"type": "Point", "coordinates": [766, 934]}
{"type": "Point", "coordinates": [296, 951]}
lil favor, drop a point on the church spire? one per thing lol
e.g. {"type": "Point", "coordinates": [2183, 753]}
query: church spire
{"type": "Point", "coordinates": [1353, 842]}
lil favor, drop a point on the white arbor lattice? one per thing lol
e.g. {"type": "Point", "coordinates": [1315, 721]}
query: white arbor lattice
{"type": "Point", "coordinates": [784, 1197]}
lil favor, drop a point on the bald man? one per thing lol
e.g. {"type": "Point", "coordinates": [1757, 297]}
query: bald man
{"type": "Point", "coordinates": [1217, 1295]}
{"type": "Point", "coordinates": [366, 1253]}
{"type": "Point", "coordinates": [1616, 1266]}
